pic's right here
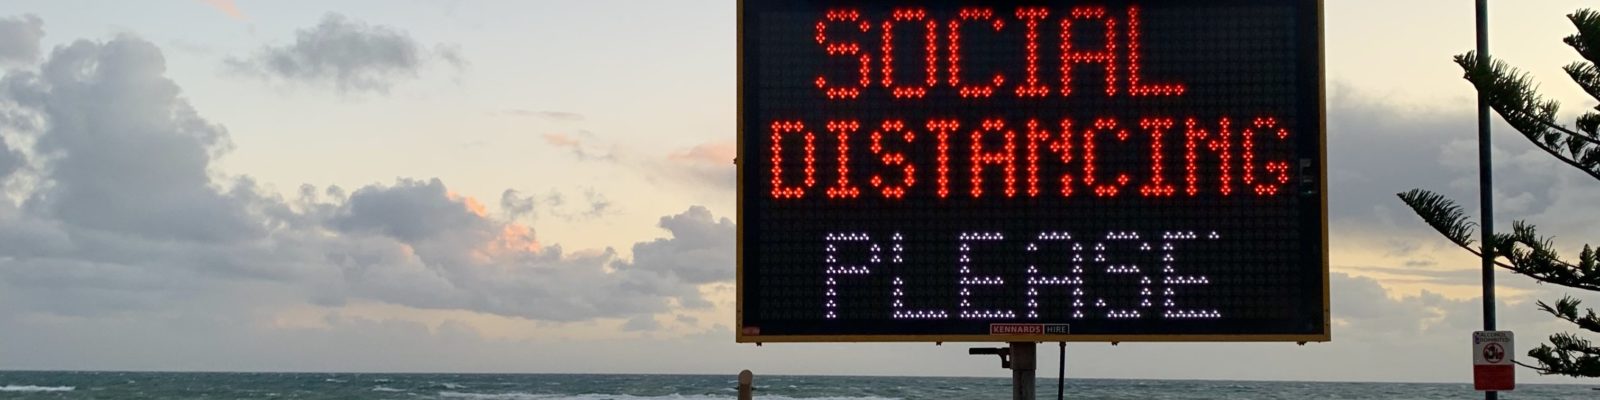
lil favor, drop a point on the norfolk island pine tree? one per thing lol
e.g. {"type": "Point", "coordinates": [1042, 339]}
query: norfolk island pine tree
{"type": "Point", "coordinates": [1512, 94]}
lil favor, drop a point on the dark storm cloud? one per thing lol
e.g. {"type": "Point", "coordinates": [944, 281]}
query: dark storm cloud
{"type": "Point", "coordinates": [128, 217]}
{"type": "Point", "coordinates": [350, 55]}
{"type": "Point", "coordinates": [19, 39]}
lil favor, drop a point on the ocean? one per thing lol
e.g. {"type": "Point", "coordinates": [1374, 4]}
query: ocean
{"type": "Point", "coordinates": [167, 385]}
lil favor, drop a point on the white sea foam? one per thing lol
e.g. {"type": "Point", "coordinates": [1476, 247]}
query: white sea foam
{"type": "Point", "coordinates": [31, 388]}
{"type": "Point", "coordinates": [381, 388]}
{"type": "Point", "coordinates": [545, 396]}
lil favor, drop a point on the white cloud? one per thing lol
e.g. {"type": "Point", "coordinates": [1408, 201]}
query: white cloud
{"type": "Point", "coordinates": [351, 56]}
{"type": "Point", "coordinates": [128, 216]}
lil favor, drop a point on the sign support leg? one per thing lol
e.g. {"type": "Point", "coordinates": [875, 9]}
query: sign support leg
{"type": "Point", "coordinates": [1024, 362]}
{"type": "Point", "coordinates": [1061, 374]}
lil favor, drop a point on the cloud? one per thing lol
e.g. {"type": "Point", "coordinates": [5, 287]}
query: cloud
{"type": "Point", "coordinates": [595, 205]}
{"type": "Point", "coordinates": [129, 217]}
{"type": "Point", "coordinates": [554, 203]}
{"type": "Point", "coordinates": [561, 140]}
{"type": "Point", "coordinates": [130, 156]}
{"type": "Point", "coordinates": [698, 252]}
{"type": "Point", "coordinates": [1417, 271]}
{"type": "Point", "coordinates": [1377, 149]}
{"type": "Point", "coordinates": [226, 7]}
{"type": "Point", "coordinates": [351, 56]}
{"type": "Point", "coordinates": [9, 160]}
{"type": "Point", "coordinates": [1369, 142]}
{"type": "Point", "coordinates": [450, 53]}
{"type": "Point", "coordinates": [709, 164]}
{"type": "Point", "coordinates": [1377, 337]}
{"type": "Point", "coordinates": [576, 146]}
{"type": "Point", "coordinates": [558, 116]}
{"type": "Point", "coordinates": [641, 323]}
{"type": "Point", "coordinates": [19, 39]}
{"type": "Point", "coordinates": [411, 211]}
{"type": "Point", "coordinates": [516, 206]}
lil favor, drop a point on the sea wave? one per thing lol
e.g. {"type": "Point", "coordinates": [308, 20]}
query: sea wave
{"type": "Point", "coordinates": [381, 388]}
{"type": "Point", "coordinates": [597, 396]}
{"type": "Point", "coordinates": [32, 388]}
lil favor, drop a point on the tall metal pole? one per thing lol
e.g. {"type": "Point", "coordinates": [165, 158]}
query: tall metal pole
{"type": "Point", "coordinates": [1485, 180]}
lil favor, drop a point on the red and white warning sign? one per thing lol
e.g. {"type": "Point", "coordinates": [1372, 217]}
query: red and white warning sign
{"type": "Point", "coordinates": [1492, 368]}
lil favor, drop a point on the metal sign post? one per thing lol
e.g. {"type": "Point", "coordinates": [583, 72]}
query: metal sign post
{"type": "Point", "coordinates": [1024, 363]}
{"type": "Point", "coordinates": [1022, 359]}
{"type": "Point", "coordinates": [1485, 179]}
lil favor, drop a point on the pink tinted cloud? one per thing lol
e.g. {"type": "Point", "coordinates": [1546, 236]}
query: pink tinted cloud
{"type": "Point", "coordinates": [561, 140]}
{"type": "Point", "coordinates": [226, 7]}
{"type": "Point", "coordinates": [716, 153]}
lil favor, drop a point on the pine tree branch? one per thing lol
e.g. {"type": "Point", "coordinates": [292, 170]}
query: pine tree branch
{"type": "Point", "coordinates": [1534, 259]}
{"type": "Point", "coordinates": [1567, 355]}
{"type": "Point", "coordinates": [1550, 125]}
{"type": "Point", "coordinates": [1442, 214]}
{"type": "Point", "coordinates": [1590, 123]}
{"type": "Point", "coordinates": [1586, 76]}
{"type": "Point", "coordinates": [1513, 95]}
{"type": "Point", "coordinates": [1587, 40]}
{"type": "Point", "coordinates": [1567, 309]}
{"type": "Point", "coordinates": [1537, 258]}
{"type": "Point", "coordinates": [1592, 173]}
{"type": "Point", "coordinates": [1587, 43]}
{"type": "Point", "coordinates": [1540, 370]}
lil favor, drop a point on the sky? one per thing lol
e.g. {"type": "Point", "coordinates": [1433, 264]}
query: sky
{"type": "Point", "coordinates": [547, 186]}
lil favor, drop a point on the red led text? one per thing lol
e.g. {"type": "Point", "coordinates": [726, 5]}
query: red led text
{"type": "Point", "coordinates": [937, 62]}
{"type": "Point", "coordinates": [995, 158]}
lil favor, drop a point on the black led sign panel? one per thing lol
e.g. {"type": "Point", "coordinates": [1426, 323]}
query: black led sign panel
{"type": "Point", "coordinates": [1031, 170]}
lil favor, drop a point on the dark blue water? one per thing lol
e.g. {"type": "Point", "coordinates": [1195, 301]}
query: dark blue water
{"type": "Point", "coordinates": [161, 385]}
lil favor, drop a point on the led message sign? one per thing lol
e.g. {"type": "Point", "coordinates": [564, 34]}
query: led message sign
{"type": "Point", "coordinates": [1031, 170]}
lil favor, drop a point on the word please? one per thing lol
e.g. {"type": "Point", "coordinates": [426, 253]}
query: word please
{"type": "Point", "coordinates": [1064, 269]}
{"type": "Point", "coordinates": [1117, 54]}
{"type": "Point", "coordinates": [1032, 158]}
